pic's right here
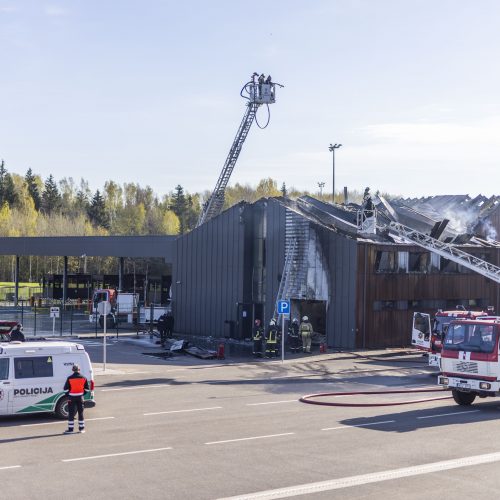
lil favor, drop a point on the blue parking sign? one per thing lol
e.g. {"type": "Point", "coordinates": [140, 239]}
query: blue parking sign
{"type": "Point", "coordinates": [283, 307]}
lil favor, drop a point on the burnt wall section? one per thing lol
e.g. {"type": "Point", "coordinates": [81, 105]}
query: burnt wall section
{"type": "Point", "coordinates": [207, 278]}
{"type": "Point", "coordinates": [274, 253]}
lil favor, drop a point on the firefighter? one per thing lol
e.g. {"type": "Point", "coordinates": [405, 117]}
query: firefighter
{"type": "Point", "coordinates": [272, 340]}
{"type": "Point", "coordinates": [75, 388]}
{"type": "Point", "coordinates": [306, 331]}
{"type": "Point", "coordinates": [293, 335]}
{"type": "Point", "coordinates": [169, 324]}
{"type": "Point", "coordinates": [258, 336]}
{"type": "Point", "coordinates": [162, 329]}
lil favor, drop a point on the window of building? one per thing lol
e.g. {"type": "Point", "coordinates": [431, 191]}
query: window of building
{"type": "Point", "coordinates": [39, 366]}
{"type": "Point", "coordinates": [419, 262]}
{"type": "Point", "coordinates": [385, 305]}
{"type": "Point", "coordinates": [386, 262]}
{"type": "Point", "coordinates": [4, 369]}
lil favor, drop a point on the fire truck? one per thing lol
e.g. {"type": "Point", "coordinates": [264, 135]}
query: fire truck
{"type": "Point", "coordinates": [118, 307]}
{"type": "Point", "coordinates": [428, 336]}
{"type": "Point", "coordinates": [469, 359]}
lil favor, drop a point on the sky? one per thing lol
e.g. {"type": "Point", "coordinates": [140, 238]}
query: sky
{"type": "Point", "coordinates": [147, 91]}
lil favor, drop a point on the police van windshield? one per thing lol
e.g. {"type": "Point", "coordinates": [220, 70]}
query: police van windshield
{"type": "Point", "coordinates": [471, 337]}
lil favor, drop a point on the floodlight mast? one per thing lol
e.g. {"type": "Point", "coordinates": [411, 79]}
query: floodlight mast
{"type": "Point", "coordinates": [260, 90]}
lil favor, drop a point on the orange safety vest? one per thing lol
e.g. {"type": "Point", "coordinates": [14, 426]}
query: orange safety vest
{"type": "Point", "coordinates": [77, 386]}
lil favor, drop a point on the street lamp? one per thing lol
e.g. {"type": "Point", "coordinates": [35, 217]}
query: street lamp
{"type": "Point", "coordinates": [332, 148]}
{"type": "Point", "coordinates": [321, 185]}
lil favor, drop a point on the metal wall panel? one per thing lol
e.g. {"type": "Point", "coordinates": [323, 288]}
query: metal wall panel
{"type": "Point", "coordinates": [207, 275]}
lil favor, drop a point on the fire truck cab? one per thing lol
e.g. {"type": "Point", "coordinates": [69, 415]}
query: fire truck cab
{"type": "Point", "coordinates": [469, 359]}
{"type": "Point", "coordinates": [428, 336]}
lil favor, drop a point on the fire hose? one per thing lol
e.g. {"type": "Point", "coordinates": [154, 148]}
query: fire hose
{"type": "Point", "coordinates": [312, 398]}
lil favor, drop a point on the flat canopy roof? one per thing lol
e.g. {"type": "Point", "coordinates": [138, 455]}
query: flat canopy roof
{"type": "Point", "coordinates": [91, 246]}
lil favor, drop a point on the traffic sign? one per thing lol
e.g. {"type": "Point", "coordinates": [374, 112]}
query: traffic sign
{"type": "Point", "coordinates": [283, 307]}
{"type": "Point", "coordinates": [54, 312]}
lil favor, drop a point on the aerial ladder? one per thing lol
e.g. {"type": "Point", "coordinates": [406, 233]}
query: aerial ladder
{"type": "Point", "coordinates": [258, 91]}
{"type": "Point", "coordinates": [283, 290]}
{"type": "Point", "coordinates": [447, 250]}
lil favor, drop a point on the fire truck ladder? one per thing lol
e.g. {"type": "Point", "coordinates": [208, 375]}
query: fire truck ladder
{"type": "Point", "coordinates": [290, 257]}
{"type": "Point", "coordinates": [448, 251]}
{"type": "Point", "coordinates": [216, 201]}
{"type": "Point", "coordinates": [258, 93]}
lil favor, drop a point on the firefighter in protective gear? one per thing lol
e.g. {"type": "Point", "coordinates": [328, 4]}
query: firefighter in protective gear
{"type": "Point", "coordinates": [272, 340]}
{"type": "Point", "coordinates": [293, 335]}
{"type": "Point", "coordinates": [75, 388]}
{"type": "Point", "coordinates": [258, 337]}
{"type": "Point", "coordinates": [306, 331]}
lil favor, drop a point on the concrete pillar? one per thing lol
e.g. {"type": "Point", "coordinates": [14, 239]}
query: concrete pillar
{"type": "Point", "coordinates": [65, 280]}
{"type": "Point", "coordinates": [16, 282]}
{"type": "Point", "coordinates": [120, 273]}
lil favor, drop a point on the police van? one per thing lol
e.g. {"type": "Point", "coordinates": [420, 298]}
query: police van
{"type": "Point", "coordinates": [32, 376]}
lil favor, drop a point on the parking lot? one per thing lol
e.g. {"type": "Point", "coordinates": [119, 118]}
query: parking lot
{"type": "Point", "coordinates": [183, 427]}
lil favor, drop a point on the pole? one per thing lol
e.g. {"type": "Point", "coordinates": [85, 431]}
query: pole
{"type": "Point", "coordinates": [333, 175]}
{"type": "Point", "coordinates": [53, 326]}
{"type": "Point", "coordinates": [283, 338]}
{"type": "Point", "coordinates": [105, 335]}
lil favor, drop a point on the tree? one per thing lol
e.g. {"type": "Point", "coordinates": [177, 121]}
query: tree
{"type": "Point", "coordinates": [179, 207]}
{"type": "Point", "coordinates": [33, 190]}
{"type": "Point", "coordinates": [7, 190]}
{"type": "Point", "coordinates": [97, 212]}
{"type": "Point", "coordinates": [283, 190]}
{"type": "Point", "coordinates": [51, 199]}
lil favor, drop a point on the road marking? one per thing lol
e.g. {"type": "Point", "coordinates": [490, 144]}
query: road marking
{"type": "Point", "coordinates": [10, 467]}
{"type": "Point", "coordinates": [376, 477]}
{"type": "Point", "coordinates": [135, 387]}
{"type": "Point", "coordinates": [115, 454]}
{"type": "Point", "coordinates": [182, 411]}
{"type": "Point", "coordinates": [250, 438]}
{"type": "Point", "coordinates": [273, 402]}
{"type": "Point", "coordinates": [359, 425]}
{"type": "Point", "coordinates": [447, 414]}
{"type": "Point", "coordinates": [64, 422]}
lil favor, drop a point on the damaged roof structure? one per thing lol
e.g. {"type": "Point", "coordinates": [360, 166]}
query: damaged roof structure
{"type": "Point", "coordinates": [350, 270]}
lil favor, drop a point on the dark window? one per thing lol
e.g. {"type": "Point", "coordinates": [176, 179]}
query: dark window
{"type": "Point", "coordinates": [4, 369]}
{"type": "Point", "coordinates": [419, 262]}
{"type": "Point", "coordinates": [40, 366]}
{"type": "Point", "coordinates": [386, 262]}
{"type": "Point", "coordinates": [384, 305]}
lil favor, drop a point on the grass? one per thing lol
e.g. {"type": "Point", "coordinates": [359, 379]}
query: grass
{"type": "Point", "coordinates": [25, 289]}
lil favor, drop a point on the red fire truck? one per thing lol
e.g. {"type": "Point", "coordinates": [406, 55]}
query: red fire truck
{"type": "Point", "coordinates": [428, 336]}
{"type": "Point", "coordinates": [469, 359]}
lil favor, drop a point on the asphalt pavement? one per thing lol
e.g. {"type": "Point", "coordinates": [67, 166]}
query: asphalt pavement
{"type": "Point", "coordinates": [182, 427]}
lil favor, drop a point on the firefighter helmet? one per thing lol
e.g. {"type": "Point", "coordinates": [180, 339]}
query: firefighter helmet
{"type": "Point", "coordinates": [305, 318]}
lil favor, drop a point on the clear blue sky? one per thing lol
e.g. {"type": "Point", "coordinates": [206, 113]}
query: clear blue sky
{"type": "Point", "coordinates": [148, 91]}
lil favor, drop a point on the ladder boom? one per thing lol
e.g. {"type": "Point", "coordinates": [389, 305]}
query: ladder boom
{"type": "Point", "coordinates": [448, 251]}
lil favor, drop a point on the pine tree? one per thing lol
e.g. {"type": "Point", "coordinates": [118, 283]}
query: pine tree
{"type": "Point", "coordinates": [7, 190]}
{"type": "Point", "coordinates": [51, 199]}
{"type": "Point", "coordinates": [97, 212]}
{"type": "Point", "coordinates": [179, 207]}
{"type": "Point", "coordinates": [283, 190]}
{"type": "Point", "coordinates": [30, 180]}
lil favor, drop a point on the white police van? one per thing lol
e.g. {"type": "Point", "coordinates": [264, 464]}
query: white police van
{"type": "Point", "coordinates": [32, 376]}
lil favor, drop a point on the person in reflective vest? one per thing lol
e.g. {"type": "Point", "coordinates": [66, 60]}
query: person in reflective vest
{"type": "Point", "coordinates": [75, 388]}
{"type": "Point", "coordinates": [272, 340]}
{"type": "Point", "coordinates": [293, 335]}
{"type": "Point", "coordinates": [258, 336]}
{"type": "Point", "coordinates": [306, 331]}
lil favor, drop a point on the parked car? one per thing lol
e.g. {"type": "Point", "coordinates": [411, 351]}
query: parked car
{"type": "Point", "coordinates": [6, 328]}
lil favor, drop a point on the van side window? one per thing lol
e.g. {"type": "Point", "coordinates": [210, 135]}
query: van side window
{"type": "Point", "coordinates": [40, 366]}
{"type": "Point", "coordinates": [4, 369]}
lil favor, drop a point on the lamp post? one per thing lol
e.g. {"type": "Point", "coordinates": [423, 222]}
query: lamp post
{"type": "Point", "coordinates": [321, 185]}
{"type": "Point", "coordinates": [332, 148]}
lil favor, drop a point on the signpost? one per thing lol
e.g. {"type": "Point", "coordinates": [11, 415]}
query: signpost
{"type": "Point", "coordinates": [105, 313]}
{"type": "Point", "coordinates": [283, 308]}
{"type": "Point", "coordinates": [54, 313]}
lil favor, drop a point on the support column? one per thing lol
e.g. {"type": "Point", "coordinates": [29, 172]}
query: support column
{"type": "Point", "coordinates": [16, 282]}
{"type": "Point", "coordinates": [65, 281]}
{"type": "Point", "coordinates": [120, 273]}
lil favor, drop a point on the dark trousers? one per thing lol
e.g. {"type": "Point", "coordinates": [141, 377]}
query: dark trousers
{"type": "Point", "coordinates": [163, 336]}
{"type": "Point", "coordinates": [75, 405]}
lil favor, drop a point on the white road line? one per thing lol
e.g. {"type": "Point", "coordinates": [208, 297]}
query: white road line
{"type": "Point", "coordinates": [64, 422]}
{"type": "Point", "coordinates": [182, 411]}
{"type": "Point", "coordinates": [376, 477]}
{"type": "Point", "coordinates": [273, 402]}
{"type": "Point", "coordinates": [358, 425]}
{"type": "Point", "coordinates": [447, 414]}
{"type": "Point", "coordinates": [251, 438]}
{"type": "Point", "coordinates": [135, 387]}
{"type": "Point", "coordinates": [115, 454]}
{"type": "Point", "coordinates": [10, 467]}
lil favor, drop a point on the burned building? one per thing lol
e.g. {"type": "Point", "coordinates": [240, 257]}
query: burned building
{"type": "Point", "coordinates": [358, 280]}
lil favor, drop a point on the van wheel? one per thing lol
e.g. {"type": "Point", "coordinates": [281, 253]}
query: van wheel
{"type": "Point", "coordinates": [463, 398]}
{"type": "Point", "coordinates": [62, 408]}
